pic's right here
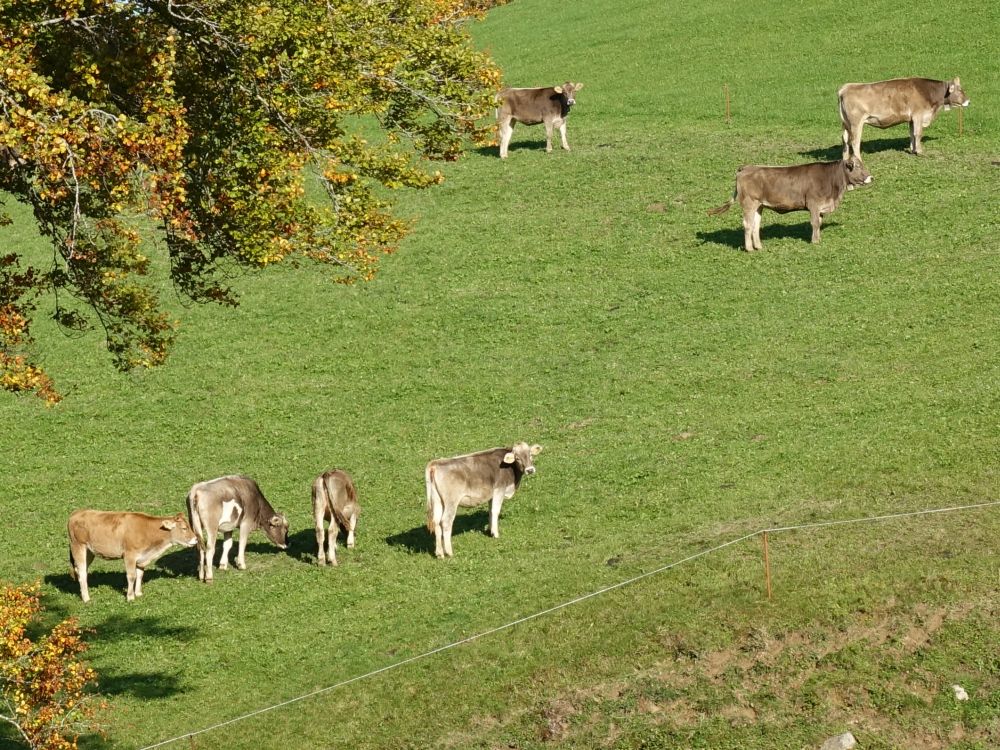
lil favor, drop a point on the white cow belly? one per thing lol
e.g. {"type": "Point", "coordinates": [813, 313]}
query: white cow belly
{"type": "Point", "coordinates": [229, 518]}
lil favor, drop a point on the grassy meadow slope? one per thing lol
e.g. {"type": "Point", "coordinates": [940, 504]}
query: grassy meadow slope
{"type": "Point", "coordinates": [686, 394]}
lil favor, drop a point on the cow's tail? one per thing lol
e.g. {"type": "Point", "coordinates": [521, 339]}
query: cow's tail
{"type": "Point", "coordinates": [435, 506]}
{"type": "Point", "coordinates": [72, 566]}
{"type": "Point", "coordinates": [194, 519]}
{"type": "Point", "coordinates": [724, 207]}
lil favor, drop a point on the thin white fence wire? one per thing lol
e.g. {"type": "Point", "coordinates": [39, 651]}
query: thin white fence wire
{"type": "Point", "coordinates": [556, 608]}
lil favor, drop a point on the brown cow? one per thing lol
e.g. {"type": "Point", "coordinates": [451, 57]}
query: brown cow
{"type": "Point", "coordinates": [549, 105]}
{"type": "Point", "coordinates": [225, 504]}
{"type": "Point", "coordinates": [887, 103]}
{"type": "Point", "coordinates": [334, 499]}
{"type": "Point", "coordinates": [817, 188]}
{"type": "Point", "coordinates": [137, 538]}
{"type": "Point", "coordinates": [488, 476]}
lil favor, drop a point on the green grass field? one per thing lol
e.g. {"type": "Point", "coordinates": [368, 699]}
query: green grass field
{"type": "Point", "coordinates": [686, 394]}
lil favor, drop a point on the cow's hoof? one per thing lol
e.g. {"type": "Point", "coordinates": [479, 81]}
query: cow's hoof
{"type": "Point", "coordinates": [241, 567]}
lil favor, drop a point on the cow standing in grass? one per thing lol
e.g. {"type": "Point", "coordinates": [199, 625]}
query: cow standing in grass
{"type": "Point", "coordinates": [549, 105]}
{"type": "Point", "coordinates": [226, 504]}
{"type": "Point", "coordinates": [136, 538]}
{"type": "Point", "coordinates": [887, 103]}
{"type": "Point", "coordinates": [816, 188]}
{"type": "Point", "coordinates": [334, 499]}
{"type": "Point", "coordinates": [488, 476]}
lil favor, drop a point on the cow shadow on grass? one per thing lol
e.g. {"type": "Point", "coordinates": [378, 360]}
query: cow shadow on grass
{"type": "Point", "coordinates": [874, 146]}
{"type": "Point", "coordinates": [419, 540]}
{"type": "Point", "coordinates": [734, 237]}
{"type": "Point", "coordinates": [98, 581]}
{"type": "Point", "coordinates": [525, 145]}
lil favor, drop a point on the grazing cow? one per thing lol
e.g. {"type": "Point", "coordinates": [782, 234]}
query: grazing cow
{"type": "Point", "coordinates": [226, 504]}
{"type": "Point", "coordinates": [137, 538]}
{"type": "Point", "coordinates": [488, 476]}
{"type": "Point", "coordinates": [887, 103]}
{"type": "Point", "coordinates": [531, 106]}
{"type": "Point", "coordinates": [817, 188]}
{"type": "Point", "coordinates": [334, 499]}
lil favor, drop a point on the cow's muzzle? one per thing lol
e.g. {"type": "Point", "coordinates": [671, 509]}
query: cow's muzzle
{"type": "Point", "coordinates": [530, 470]}
{"type": "Point", "coordinates": [966, 103]}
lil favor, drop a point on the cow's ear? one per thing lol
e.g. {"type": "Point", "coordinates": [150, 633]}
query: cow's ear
{"type": "Point", "coordinates": [275, 520]}
{"type": "Point", "coordinates": [578, 86]}
{"type": "Point", "coordinates": [536, 449]}
{"type": "Point", "coordinates": [509, 458]}
{"type": "Point", "coordinates": [949, 88]}
{"type": "Point", "coordinates": [558, 89]}
{"type": "Point", "coordinates": [168, 524]}
{"type": "Point", "coordinates": [849, 164]}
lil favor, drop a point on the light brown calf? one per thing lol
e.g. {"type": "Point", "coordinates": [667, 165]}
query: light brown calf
{"type": "Point", "coordinates": [334, 499]}
{"type": "Point", "coordinates": [137, 538]}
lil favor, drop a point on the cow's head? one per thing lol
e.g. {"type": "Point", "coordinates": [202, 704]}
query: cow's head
{"type": "Point", "coordinates": [277, 530]}
{"type": "Point", "coordinates": [856, 172]}
{"type": "Point", "coordinates": [522, 455]}
{"type": "Point", "coordinates": [568, 91]}
{"type": "Point", "coordinates": [180, 532]}
{"type": "Point", "coordinates": [953, 94]}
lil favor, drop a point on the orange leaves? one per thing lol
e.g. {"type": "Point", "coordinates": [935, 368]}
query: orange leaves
{"type": "Point", "coordinates": [43, 682]}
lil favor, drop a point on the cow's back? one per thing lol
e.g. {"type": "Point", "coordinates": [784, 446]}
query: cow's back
{"type": "Point", "coordinates": [529, 106]}
{"type": "Point", "coordinates": [894, 100]}
{"type": "Point", "coordinates": [787, 188]}
{"type": "Point", "coordinates": [470, 479]}
{"type": "Point", "coordinates": [109, 533]}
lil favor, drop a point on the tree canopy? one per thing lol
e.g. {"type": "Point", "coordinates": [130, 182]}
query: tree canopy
{"type": "Point", "coordinates": [207, 119]}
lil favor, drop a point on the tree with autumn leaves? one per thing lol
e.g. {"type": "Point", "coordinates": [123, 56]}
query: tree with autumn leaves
{"type": "Point", "coordinates": [43, 683]}
{"type": "Point", "coordinates": [230, 133]}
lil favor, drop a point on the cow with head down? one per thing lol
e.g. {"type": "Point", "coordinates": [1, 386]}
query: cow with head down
{"type": "Point", "coordinates": [884, 104]}
{"type": "Point", "coordinates": [226, 504]}
{"type": "Point", "coordinates": [490, 476]}
{"type": "Point", "coordinates": [549, 105]}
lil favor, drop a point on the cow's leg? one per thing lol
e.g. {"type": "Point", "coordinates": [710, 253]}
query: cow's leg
{"type": "Point", "coordinates": [816, 219]}
{"type": "Point", "coordinates": [138, 581]}
{"type": "Point", "coordinates": [130, 578]}
{"type": "Point", "coordinates": [241, 554]}
{"type": "Point", "coordinates": [856, 139]}
{"type": "Point", "coordinates": [319, 517]}
{"type": "Point", "coordinates": [227, 544]}
{"type": "Point", "coordinates": [496, 502]}
{"type": "Point", "coordinates": [209, 554]}
{"type": "Point", "coordinates": [447, 520]}
{"type": "Point", "coordinates": [916, 132]}
{"type": "Point", "coordinates": [757, 244]}
{"type": "Point", "coordinates": [506, 131]}
{"type": "Point", "coordinates": [562, 132]}
{"type": "Point", "coordinates": [548, 136]}
{"type": "Point", "coordinates": [331, 539]}
{"type": "Point", "coordinates": [846, 135]}
{"type": "Point", "coordinates": [81, 559]}
{"type": "Point", "coordinates": [750, 216]}
{"type": "Point", "coordinates": [351, 523]}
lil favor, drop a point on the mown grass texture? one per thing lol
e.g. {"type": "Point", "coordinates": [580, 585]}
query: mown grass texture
{"type": "Point", "coordinates": [686, 393]}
